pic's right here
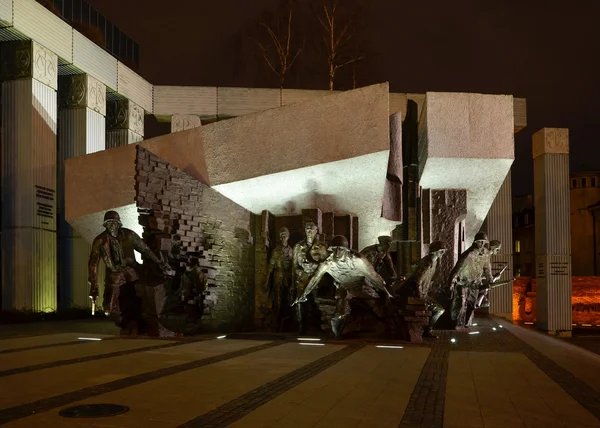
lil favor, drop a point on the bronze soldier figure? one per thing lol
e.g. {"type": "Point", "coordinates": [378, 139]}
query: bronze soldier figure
{"type": "Point", "coordinates": [280, 289]}
{"type": "Point", "coordinates": [472, 268]}
{"type": "Point", "coordinates": [379, 256]}
{"type": "Point", "coordinates": [419, 284]}
{"type": "Point", "coordinates": [482, 300]}
{"type": "Point", "coordinates": [304, 264]}
{"type": "Point", "coordinates": [191, 290]}
{"type": "Point", "coordinates": [116, 247]}
{"type": "Point", "coordinates": [353, 276]}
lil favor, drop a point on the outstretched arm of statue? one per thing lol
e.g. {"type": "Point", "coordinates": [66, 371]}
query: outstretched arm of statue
{"type": "Point", "coordinates": [140, 246]}
{"type": "Point", "coordinates": [390, 264]}
{"type": "Point", "coordinates": [373, 277]}
{"type": "Point", "coordinates": [312, 284]}
{"type": "Point", "coordinates": [93, 269]}
{"type": "Point", "coordinates": [499, 274]}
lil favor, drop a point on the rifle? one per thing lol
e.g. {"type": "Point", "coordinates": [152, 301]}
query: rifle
{"type": "Point", "coordinates": [498, 284]}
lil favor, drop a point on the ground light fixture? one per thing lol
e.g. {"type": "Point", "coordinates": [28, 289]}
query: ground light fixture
{"type": "Point", "coordinates": [222, 337]}
{"type": "Point", "coordinates": [494, 328]}
{"type": "Point", "coordinates": [311, 344]}
{"type": "Point", "coordinates": [89, 338]}
{"type": "Point", "coordinates": [389, 346]}
{"type": "Point", "coordinates": [453, 340]}
{"type": "Point", "coordinates": [309, 338]}
{"type": "Point", "coordinates": [474, 332]}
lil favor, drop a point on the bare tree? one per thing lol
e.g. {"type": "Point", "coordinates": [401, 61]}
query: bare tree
{"type": "Point", "coordinates": [339, 32]}
{"type": "Point", "coordinates": [280, 52]}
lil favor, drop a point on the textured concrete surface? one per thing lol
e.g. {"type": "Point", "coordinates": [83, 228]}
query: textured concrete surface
{"type": "Point", "coordinates": [503, 376]}
{"type": "Point", "coordinates": [329, 151]}
{"type": "Point", "coordinates": [466, 141]}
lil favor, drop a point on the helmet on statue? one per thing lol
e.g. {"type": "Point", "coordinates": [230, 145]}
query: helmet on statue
{"type": "Point", "coordinates": [437, 246]}
{"type": "Point", "coordinates": [111, 216]}
{"type": "Point", "coordinates": [481, 236]}
{"type": "Point", "coordinates": [339, 241]}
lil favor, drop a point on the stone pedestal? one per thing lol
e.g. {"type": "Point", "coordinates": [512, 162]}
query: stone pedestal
{"type": "Point", "coordinates": [124, 123]}
{"type": "Point", "coordinates": [81, 116]}
{"type": "Point", "coordinates": [499, 226]}
{"type": "Point", "coordinates": [28, 153]}
{"type": "Point", "coordinates": [552, 230]}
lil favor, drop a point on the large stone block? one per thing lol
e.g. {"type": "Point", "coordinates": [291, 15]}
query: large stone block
{"type": "Point", "coordinates": [329, 153]}
{"type": "Point", "coordinates": [466, 141]}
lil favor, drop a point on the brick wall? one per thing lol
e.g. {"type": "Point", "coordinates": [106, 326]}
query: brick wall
{"type": "Point", "coordinates": [179, 215]}
{"type": "Point", "coordinates": [585, 300]}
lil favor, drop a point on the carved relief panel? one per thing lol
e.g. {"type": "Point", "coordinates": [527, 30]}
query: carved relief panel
{"type": "Point", "coordinates": [181, 122]}
{"type": "Point", "coordinates": [22, 59]}
{"type": "Point", "coordinates": [124, 114]}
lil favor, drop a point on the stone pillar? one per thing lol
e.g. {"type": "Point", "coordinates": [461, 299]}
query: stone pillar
{"type": "Point", "coordinates": [28, 153]}
{"type": "Point", "coordinates": [183, 122]}
{"type": "Point", "coordinates": [552, 230]}
{"type": "Point", "coordinates": [499, 226]}
{"type": "Point", "coordinates": [407, 234]}
{"type": "Point", "coordinates": [81, 118]}
{"type": "Point", "coordinates": [124, 123]}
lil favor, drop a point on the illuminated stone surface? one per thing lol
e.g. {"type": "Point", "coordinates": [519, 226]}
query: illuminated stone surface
{"type": "Point", "coordinates": [466, 141]}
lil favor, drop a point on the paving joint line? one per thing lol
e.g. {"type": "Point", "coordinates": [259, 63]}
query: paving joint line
{"type": "Point", "coordinates": [46, 404]}
{"type": "Point", "coordinates": [51, 345]}
{"type": "Point", "coordinates": [53, 364]}
{"type": "Point", "coordinates": [239, 407]}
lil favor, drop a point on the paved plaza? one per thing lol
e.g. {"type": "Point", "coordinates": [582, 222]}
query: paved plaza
{"type": "Point", "coordinates": [502, 376]}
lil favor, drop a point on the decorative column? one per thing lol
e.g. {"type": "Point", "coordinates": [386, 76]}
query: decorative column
{"type": "Point", "coordinates": [552, 230]}
{"type": "Point", "coordinates": [124, 123]}
{"type": "Point", "coordinates": [499, 226]}
{"type": "Point", "coordinates": [82, 130]}
{"type": "Point", "coordinates": [29, 83]}
{"type": "Point", "coordinates": [183, 122]}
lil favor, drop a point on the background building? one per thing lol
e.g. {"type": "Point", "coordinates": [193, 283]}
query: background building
{"type": "Point", "coordinates": [585, 227]}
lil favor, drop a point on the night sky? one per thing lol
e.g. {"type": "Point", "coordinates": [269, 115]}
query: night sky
{"type": "Point", "coordinates": [544, 50]}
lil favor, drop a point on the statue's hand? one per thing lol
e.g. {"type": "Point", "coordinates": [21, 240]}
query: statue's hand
{"type": "Point", "coordinates": [300, 299]}
{"type": "Point", "coordinates": [93, 292]}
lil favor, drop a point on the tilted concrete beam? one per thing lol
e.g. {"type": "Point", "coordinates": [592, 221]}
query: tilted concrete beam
{"type": "Point", "coordinates": [330, 152]}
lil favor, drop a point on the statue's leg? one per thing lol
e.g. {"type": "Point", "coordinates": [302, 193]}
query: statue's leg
{"type": "Point", "coordinates": [436, 312]}
{"type": "Point", "coordinates": [342, 311]}
{"type": "Point", "coordinates": [470, 301]}
{"type": "Point", "coordinates": [462, 294]}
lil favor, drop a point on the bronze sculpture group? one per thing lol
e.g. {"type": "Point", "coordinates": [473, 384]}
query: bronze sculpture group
{"type": "Point", "coordinates": [294, 275]}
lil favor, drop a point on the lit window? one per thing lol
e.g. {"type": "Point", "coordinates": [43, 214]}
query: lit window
{"type": "Point", "coordinates": [593, 181]}
{"type": "Point", "coordinates": [584, 182]}
{"type": "Point", "coordinates": [517, 246]}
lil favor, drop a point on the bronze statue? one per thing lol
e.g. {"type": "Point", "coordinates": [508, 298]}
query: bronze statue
{"type": "Point", "coordinates": [465, 280]}
{"type": "Point", "coordinates": [482, 300]}
{"type": "Point", "coordinates": [305, 262]}
{"type": "Point", "coordinates": [419, 284]}
{"type": "Point", "coordinates": [379, 256]}
{"type": "Point", "coordinates": [116, 247]}
{"type": "Point", "coordinates": [353, 276]}
{"type": "Point", "coordinates": [191, 290]}
{"type": "Point", "coordinates": [280, 289]}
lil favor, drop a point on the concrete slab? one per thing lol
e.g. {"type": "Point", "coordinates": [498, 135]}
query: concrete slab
{"type": "Point", "coordinates": [466, 141]}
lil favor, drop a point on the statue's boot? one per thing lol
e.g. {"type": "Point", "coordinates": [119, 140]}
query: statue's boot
{"type": "Point", "coordinates": [300, 318]}
{"type": "Point", "coordinates": [337, 326]}
{"type": "Point", "coordinates": [427, 333]}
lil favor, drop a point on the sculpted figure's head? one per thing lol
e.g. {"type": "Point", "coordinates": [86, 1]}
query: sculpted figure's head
{"type": "Point", "coordinates": [384, 243]}
{"type": "Point", "coordinates": [284, 236]}
{"type": "Point", "coordinates": [112, 222]}
{"type": "Point", "coordinates": [437, 250]}
{"type": "Point", "coordinates": [311, 231]}
{"type": "Point", "coordinates": [495, 247]}
{"type": "Point", "coordinates": [481, 240]}
{"type": "Point", "coordinates": [338, 247]}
